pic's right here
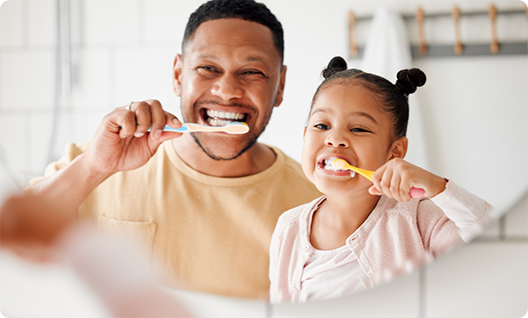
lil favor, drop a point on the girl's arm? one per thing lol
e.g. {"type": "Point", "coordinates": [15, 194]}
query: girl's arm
{"type": "Point", "coordinates": [470, 213]}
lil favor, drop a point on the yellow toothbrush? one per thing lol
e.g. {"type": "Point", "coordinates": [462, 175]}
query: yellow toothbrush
{"type": "Point", "coordinates": [342, 164]}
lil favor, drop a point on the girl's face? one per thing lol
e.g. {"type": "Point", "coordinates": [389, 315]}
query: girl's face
{"type": "Point", "coordinates": [345, 122]}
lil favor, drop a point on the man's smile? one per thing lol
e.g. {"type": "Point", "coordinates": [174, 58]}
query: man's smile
{"type": "Point", "coordinates": [222, 118]}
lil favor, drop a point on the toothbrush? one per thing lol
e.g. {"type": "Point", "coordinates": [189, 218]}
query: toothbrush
{"type": "Point", "coordinates": [342, 164]}
{"type": "Point", "coordinates": [231, 128]}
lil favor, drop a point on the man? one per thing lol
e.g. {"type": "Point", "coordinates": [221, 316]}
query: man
{"type": "Point", "coordinates": [204, 205]}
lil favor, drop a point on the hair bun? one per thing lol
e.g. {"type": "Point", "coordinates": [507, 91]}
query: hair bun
{"type": "Point", "coordinates": [336, 64]}
{"type": "Point", "coordinates": [409, 80]}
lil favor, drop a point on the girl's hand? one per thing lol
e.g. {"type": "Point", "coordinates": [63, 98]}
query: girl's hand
{"type": "Point", "coordinates": [396, 178]}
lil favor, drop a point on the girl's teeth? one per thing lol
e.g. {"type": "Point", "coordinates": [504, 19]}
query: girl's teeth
{"type": "Point", "coordinates": [352, 173]}
{"type": "Point", "coordinates": [330, 166]}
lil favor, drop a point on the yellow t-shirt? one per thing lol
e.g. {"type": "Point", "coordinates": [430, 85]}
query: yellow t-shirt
{"type": "Point", "coordinates": [211, 234]}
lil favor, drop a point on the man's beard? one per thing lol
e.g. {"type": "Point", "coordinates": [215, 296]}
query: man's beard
{"type": "Point", "coordinates": [252, 141]}
{"type": "Point", "coordinates": [250, 144]}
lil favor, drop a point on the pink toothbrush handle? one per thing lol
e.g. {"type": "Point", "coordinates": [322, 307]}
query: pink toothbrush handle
{"type": "Point", "coordinates": [416, 193]}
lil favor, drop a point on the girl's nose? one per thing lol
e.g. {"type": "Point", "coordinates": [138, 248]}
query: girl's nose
{"type": "Point", "coordinates": [227, 87]}
{"type": "Point", "coordinates": [336, 140]}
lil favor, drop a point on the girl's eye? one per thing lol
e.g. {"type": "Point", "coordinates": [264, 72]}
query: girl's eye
{"type": "Point", "coordinates": [322, 126]}
{"type": "Point", "coordinates": [358, 130]}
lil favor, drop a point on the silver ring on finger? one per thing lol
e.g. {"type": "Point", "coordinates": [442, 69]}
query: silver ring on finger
{"type": "Point", "coordinates": [128, 108]}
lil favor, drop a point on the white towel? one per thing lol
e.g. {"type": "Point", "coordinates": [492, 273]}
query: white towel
{"type": "Point", "coordinates": [387, 51]}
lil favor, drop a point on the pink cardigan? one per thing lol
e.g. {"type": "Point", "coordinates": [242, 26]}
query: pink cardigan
{"type": "Point", "coordinates": [396, 237]}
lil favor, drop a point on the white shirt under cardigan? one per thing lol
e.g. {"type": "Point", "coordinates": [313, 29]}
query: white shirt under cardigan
{"type": "Point", "coordinates": [396, 238]}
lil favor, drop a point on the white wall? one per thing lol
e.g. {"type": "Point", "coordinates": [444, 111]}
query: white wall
{"type": "Point", "coordinates": [475, 111]}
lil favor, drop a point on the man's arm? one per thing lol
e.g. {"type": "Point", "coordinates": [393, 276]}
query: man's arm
{"type": "Point", "coordinates": [122, 142]}
{"type": "Point", "coordinates": [42, 230]}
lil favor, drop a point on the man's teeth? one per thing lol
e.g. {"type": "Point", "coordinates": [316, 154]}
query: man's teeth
{"type": "Point", "coordinates": [216, 118]}
{"type": "Point", "coordinates": [217, 122]}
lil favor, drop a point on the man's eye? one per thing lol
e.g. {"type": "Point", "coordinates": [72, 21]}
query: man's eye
{"type": "Point", "coordinates": [322, 126]}
{"type": "Point", "coordinates": [207, 68]}
{"type": "Point", "coordinates": [252, 72]}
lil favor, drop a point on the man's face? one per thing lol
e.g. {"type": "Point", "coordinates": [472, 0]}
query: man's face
{"type": "Point", "coordinates": [230, 70]}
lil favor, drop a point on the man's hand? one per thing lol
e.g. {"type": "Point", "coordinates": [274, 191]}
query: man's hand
{"type": "Point", "coordinates": [29, 224]}
{"type": "Point", "coordinates": [122, 141]}
{"type": "Point", "coordinates": [32, 220]}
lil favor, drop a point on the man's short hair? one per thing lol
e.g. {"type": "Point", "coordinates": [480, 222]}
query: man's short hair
{"type": "Point", "coordinates": [248, 10]}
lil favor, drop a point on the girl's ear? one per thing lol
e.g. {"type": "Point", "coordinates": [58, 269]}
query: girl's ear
{"type": "Point", "coordinates": [304, 131]}
{"type": "Point", "coordinates": [399, 148]}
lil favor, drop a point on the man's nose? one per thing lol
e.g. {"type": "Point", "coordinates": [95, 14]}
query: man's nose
{"type": "Point", "coordinates": [227, 87]}
{"type": "Point", "coordinates": [337, 140]}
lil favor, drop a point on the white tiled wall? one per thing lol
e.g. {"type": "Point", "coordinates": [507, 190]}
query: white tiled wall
{"type": "Point", "coordinates": [27, 79]}
{"type": "Point", "coordinates": [137, 80]}
{"type": "Point", "coordinates": [41, 23]}
{"type": "Point", "coordinates": [114, 24]}
{"type": "Point", "coordinates": [92, 77]}
{"type": "Point", "coordinates": [123, 50]}
{"type": "Point", "coordinates": [12, 24]}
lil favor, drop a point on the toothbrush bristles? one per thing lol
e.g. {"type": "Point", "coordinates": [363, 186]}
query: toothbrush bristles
{"type": "Point", "coordinates": [339, 163]}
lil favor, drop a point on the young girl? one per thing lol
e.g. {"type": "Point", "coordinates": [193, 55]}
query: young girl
{"type": "Point", "coordinates": [361, 233]}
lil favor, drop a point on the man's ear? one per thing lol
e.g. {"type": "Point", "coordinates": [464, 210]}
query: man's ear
{"type": "Point", "coordinates": [176, 75]}
{"type": "Point", "coordinates": [282, 83]}
{"type": "Point", "coordinates": [399, 148]}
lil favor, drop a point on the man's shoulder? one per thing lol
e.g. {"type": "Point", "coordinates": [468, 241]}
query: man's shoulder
{"type": "Point", "coordinates": [290, 166]}
{"type": "Point", "coordinates": [293, 215]}
{"type": "Point", "coordinates": [292, 177]}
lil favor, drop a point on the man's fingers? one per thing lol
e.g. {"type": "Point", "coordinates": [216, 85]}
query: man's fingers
{"type": "Point", "coordinates": [138, 117]}
{"type": "Point", "coordinates": [127, 123]}
{"type": "Point", "coordinates": [173, 122]}
{"type": "Point", "coordinates": [159, 118]}
{"type": "Point", "coordinates": [143, 119]}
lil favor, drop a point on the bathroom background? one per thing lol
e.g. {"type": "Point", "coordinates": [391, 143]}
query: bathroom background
{"type": "Point", "coordinates": [474, 113]}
